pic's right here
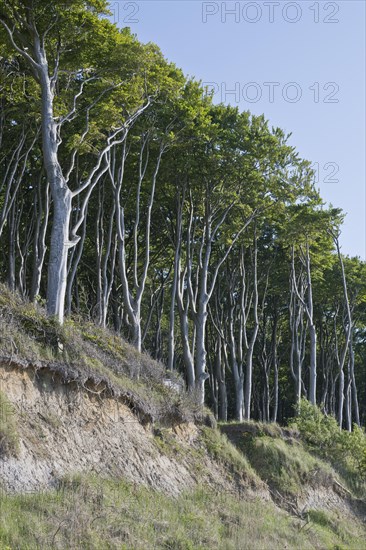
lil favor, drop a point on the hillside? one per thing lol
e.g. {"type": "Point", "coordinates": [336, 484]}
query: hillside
{"type": "Point", "coordinates": [96, 451]}
{"type": "Point", "coordinates": [196, 229]}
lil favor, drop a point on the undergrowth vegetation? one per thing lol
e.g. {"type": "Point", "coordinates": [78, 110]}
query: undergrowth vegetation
{"type": "Point", "coordinates": [313, 451]}
{"type": "Point", "coordinates": [223, 452]}
{"type": "Point", "coordinates": [287, 468]}
{"type": "Point", "coordinates": [83, 351]}
{"type": "Point", "coordinates": [93, 513]}
{"type": "Point", "coordinates": [346, 451]}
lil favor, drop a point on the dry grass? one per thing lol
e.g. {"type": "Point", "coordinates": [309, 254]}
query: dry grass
{"type": "Point", "coordinates": [97, 359]}
{"type": "Point", "coordinates": [92, 513]}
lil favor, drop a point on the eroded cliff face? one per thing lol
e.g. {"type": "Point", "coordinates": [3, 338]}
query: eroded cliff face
{"type": "Point", "coordinates": [64, 430]}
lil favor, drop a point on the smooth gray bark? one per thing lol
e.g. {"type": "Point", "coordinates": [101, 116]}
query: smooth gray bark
{"type": "Point", "coordinates": [62, 236]}
{"type": "Point", "coordinates": [133, 294]}
{"type": "Point", "coordinates": [309, 312]}
{"type": "Point", "coordinates": [250, 351]}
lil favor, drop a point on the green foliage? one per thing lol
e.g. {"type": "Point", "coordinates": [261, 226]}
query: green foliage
{"type": "Point", "coordinates": [225, 453]}
{"type": "Point", "coordinates": [320, 431]}
{"type": "Point", "coordinates": [92, 513]}
{"type": "Point", "coordinates": [81, 349]}
{"type": "Point", "coordinates": [353, 445]}
{"type": "Point", "coordinates": [285, 467]}
{"type": "Point", "coordinates": [345, 450]}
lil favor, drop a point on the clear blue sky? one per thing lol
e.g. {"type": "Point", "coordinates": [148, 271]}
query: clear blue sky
{"type": "Point", "coordinates": [274, 53]}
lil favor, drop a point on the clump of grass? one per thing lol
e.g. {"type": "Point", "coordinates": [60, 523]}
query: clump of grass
{"type": "Point", "coordinates": [225, 453]}
{"type": "Point", "coordinates": [286, 468]}
{"type": "Point", "coordinates": [167, 443]}
{"type": "Point", "coordinates": [328, 523]}
{"type": "Point", "coordinates": [81, 350]}
{"type": "Point", "coordinates": [9, 438]}
{"type": "Point", "coordinates": [94, 513]}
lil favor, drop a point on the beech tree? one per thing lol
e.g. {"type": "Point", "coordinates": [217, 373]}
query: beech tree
{"type": "Point", "coordinates": [47, 36]}
{"type": "Point", "coordinates": [191, 229]}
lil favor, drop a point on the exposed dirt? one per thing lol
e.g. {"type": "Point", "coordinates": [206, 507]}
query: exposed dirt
{"type": "Point", "coordinates": [66, 430]}
{"type": "Point", "coordinates": [320, 492]}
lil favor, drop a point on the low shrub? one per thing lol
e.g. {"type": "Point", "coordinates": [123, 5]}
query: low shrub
{"type": "Point", "coordinates": [345, 450]}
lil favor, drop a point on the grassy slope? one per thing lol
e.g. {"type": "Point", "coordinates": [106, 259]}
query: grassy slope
{"type": "Point", "coordinates": [83, 352]}
{"type": "Point", "coordinates": [96, 513]}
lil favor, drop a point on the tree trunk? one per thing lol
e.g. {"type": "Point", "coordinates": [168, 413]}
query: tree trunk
{"type": "Point", "coordinates": [275, 368]}
{"type": "Point", "coordinates": [171, 334]}
{"type": "Point", "coordinates": [249, 358]}
{"type": "Point", "coordinates": [313, 372]}
{"type": "Point", "coordinates": [220, 365]}
{"type": "Point", "coordinates": [60, 245]}
{"type": "Point", "coordinates": [40, 242]}
{"type": "Point", "coordinates": [237, 370]}
{"type": "Point", "coordinates": [200, 364]}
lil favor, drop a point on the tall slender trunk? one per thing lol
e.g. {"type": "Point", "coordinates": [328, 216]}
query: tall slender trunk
{"type": "Point", "coordinates": [313, 370]}
{"type": "Point", "coordinates": [312, 332]}
{"type": "Point", "coordinates": [40, 241]}
{"type": "Point", "coordinates": [11, 259]}
{"type": "Point", "coordinates": [133, 294]}
{"type": "Point", "coordinates": [249, 357]}
{"type": "Point", "coordinates": [183, 302]}
{"type": "Point", "coordinates": [59, 248]}
{"type": "Point", "coordinates": [309, 312]}
{"type": "Point", "coordinates": [348, 325]}
{"type": "Point", "coordinates": [275, 368]}
{"type": "Point", "coordinates": [348, 400]}
{"type": "Point", "coordinates": [72, 280]}
{"type": "Point", "coordinates": [187, 354]}
{"type": "Point", "coordinates": [177, 252]}
{"type": "Point", "coordinates": [200, 356]}
{"type": "Point", "coordinates": [220, 373]}
{"type": "Point", "coordinates": [354, 386]}
{"type": "Point", "coordinates": [340, 398]}
{"type": "Point", "coordinates": [237, 369]}
{"type": "Point", "coordinates": [171, 332]}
